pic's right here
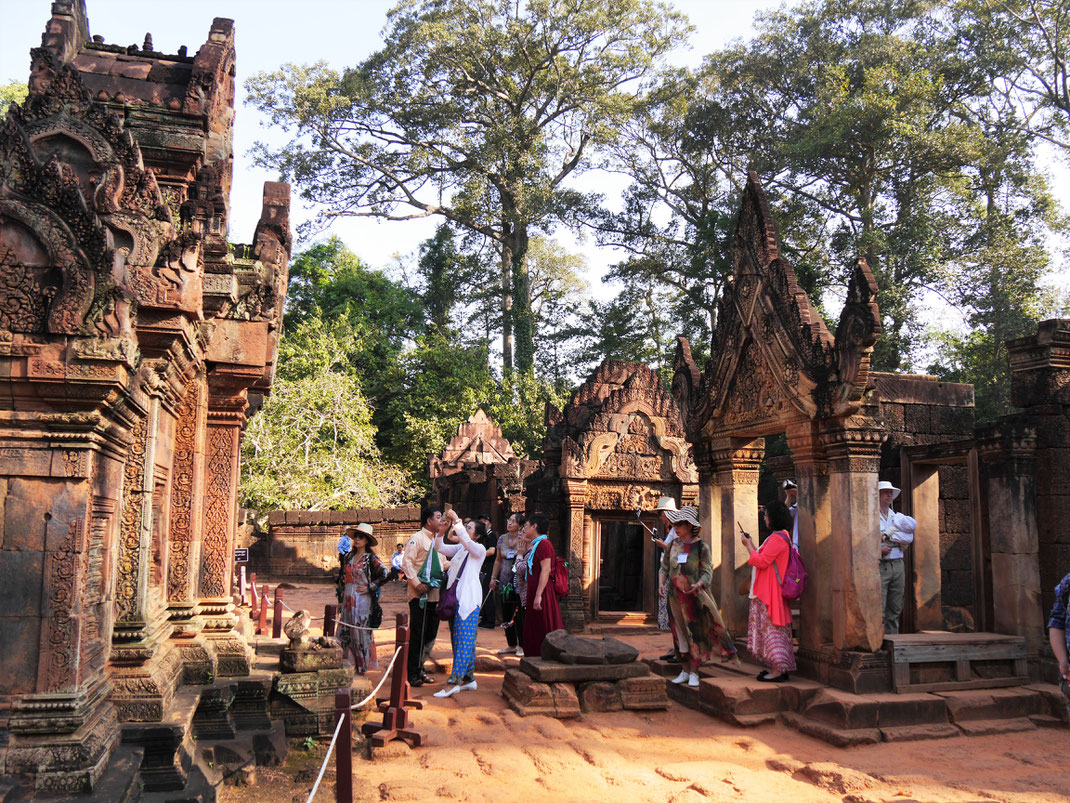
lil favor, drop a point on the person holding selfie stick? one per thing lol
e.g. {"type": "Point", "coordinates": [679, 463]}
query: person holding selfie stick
{"type": "Point", "coordinates": [695, 619]}
{"type": "Point", "coordinates": [769, 624]}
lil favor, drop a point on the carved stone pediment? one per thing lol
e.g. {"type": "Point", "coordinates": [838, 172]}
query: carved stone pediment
{"type": "Point", "coordinates": [774, 362]}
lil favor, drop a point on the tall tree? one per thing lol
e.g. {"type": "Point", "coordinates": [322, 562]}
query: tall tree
{"type": "Point", "coordinates": [474, 110]}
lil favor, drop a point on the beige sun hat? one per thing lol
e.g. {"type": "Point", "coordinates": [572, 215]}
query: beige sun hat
{"type": "Point", "coordinates": [666, 503]}
{"type": "Point", "coordinates": [689, 513]}
{"type": "Point", "coordinates": [884, 485]}
{"type": "Point", "coordinates": [364, 529]}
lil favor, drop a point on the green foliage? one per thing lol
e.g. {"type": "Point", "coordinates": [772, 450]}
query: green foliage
{"type": "Point", "coordinates": [430, 125]}
{"type": "Point", "coordinates": [312, 446]}
{"type": "Point", "coordinates": [12, 92]}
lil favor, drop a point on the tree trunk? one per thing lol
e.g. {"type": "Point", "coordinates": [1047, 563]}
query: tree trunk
{"type": "Point", "coordinates": [523, 321]}
{"type": "Point", "coordinates": [507, 301]}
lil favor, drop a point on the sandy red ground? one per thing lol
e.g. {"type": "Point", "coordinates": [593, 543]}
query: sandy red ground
{"type": "Point", "coordinates": [478, 749]}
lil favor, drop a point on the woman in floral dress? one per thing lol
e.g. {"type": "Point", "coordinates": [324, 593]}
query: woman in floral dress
{"type": "Point", "coordinates": [694, 618]}
{"type": "Point", "coordinates": [359, 579]}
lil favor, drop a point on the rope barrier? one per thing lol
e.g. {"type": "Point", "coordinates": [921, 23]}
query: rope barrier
{"type": "Point", "coordinates": [386, 674]}
{"type": "Point", "coordinates": [326, 760]}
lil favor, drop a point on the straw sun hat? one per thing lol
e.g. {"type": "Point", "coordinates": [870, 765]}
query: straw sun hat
{"type": "Point", "coordinates": [688, 514]}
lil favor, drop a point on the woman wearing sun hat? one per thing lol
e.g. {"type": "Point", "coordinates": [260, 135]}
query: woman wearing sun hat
{"type": "Point", "coordinates": [897, 531]}
{"type": "Point", "coordinates": [694, 618]}
{"type": "Point", "coordinates": [359, 578]}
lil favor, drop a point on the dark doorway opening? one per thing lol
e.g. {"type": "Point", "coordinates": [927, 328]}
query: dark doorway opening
{"type": "Point", "coordinates": [620, 581]}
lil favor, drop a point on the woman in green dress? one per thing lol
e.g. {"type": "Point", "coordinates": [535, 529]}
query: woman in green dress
{"type": "Point", "coordinates": [694, 618]}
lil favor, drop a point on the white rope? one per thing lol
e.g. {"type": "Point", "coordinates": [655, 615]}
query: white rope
{"type": "Point", "coordinates": [386, 674]}
{"type": "Point", "coordinates": [327, 759]}
{"type": "Point", "coordinates": [357, 627]}
{"type": "Point", "coordinates": [255, 595]}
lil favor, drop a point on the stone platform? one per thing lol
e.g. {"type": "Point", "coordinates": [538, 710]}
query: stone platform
{"type": "Point", "coordinates": [732, 693]}
{"type": "Point", "coordinates": [583, 674]}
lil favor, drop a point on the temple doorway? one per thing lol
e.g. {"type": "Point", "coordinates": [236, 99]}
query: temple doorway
{"type": "Point", "coordinates": [626, 572]}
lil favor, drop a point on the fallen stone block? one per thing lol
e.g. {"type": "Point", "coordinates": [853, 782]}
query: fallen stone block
{"type": "Point", "coordinates": [548, 671]}
{"type": "Point", "coordinates": [643, 693]}
{"type": "Point", "coordinates": [600, 697]}
{"type": "Point", "coordinates": [560, 645]}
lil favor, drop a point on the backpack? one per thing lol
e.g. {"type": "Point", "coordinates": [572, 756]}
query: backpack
{"type": "Point", "coordinates": [559, 577]}
{"type": "Point", "coordinates": [793, 585]}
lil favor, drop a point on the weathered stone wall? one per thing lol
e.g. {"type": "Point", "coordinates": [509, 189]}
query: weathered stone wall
{"type": "Point", "coordinates": [1041, 386]}
{"type": "Point", "coordinates": [919, 410]}
{"type": "Point", "coordinates": [303, 543]}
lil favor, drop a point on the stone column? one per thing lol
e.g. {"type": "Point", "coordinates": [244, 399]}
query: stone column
{"type": "Point", "coordinates": [578, 604]}
{"type": "Point", "coordinates": [924, 481]}
{"type": "Point", "coordinates": [854, 460]}
{"type": "Point", "coordinates": [60, 475]}
{"type": "Point", "coordinates": [225, 419]}
{"type": "Point", "coordinates": [144, 673]}
{"type": "Point", "coordinates": [709, 511]}
{"type": "Point", "coordinates": [1007, 449]}
{"type": "Point", "coordinates": [737, 462]}
{"type": "Point", "coordinates": [184, 543]}
{"type": "Point", "coordinates": [815, 534]}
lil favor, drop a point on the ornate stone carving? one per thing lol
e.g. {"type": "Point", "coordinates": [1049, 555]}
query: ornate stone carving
{"type": "Point", "coordinates": [218, 501]}
{"type": "Point", "coordinates": [131, 526]}
{"type": "Point", "coordinates": [60, 649]}
{"type": "Point", "coordinates": [182, 492]}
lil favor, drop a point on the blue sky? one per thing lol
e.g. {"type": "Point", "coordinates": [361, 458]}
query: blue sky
{"type": "Point", "coordinates": [271, 32]}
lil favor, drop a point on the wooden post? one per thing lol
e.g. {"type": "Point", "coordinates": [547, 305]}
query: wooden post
{"type": "Point", "coordinates": [394, 709]}
{"type": "Point", "coordinates": [276, 616]}
{"type": "Point", "coordinates": [261, 626]}
{"type": "Point", "coordinates": [254, 600]}
{"type": "Point", "coordinates": [343, 748]}
{"type": "Point", "coordinates": [330, 613]}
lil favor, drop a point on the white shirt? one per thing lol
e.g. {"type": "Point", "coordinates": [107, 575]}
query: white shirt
{"type": "Point", "coordinates": [470, 592]}
{"type": "Point", "coordinates": [899, 529]}
{"type": "Point", "coordinates": [794, 511]}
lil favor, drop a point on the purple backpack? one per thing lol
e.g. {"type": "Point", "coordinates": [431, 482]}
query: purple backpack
{"type": "Point", "coordinates": [793, 584]}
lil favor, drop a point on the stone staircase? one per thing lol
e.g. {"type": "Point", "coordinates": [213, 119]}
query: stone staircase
{"type": "Point", "coordinates": [732, 693]}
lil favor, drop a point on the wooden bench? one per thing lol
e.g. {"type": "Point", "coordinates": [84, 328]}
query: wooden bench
{"type": "Point", "coordinates": [961, 649]}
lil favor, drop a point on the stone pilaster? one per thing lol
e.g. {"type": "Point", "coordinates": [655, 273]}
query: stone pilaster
{"type": "Point", "coordinates": [145, 670]}
{"type": "Point", "coordinates": [184, 542]}
{"type": "Point", "coordinates": [226, 417]}
{"type": "Point", "coordinates": [853, 450]}
{"type": "Point", "coordinates": [1007, 450]}
{"type": "Point", "coordinates": [736, 498]}
{"type": "Point", "coordinates": [815, 533]}
{"type": "Point", "coordinates": [573, 536]}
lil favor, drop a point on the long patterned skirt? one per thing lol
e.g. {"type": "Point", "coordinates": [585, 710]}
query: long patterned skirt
{"type": "Point", "coordinates": [769, 643]}
{"type": "Point", "coordinates": [697, 628]}
{"type": "Point", "coordinates": [356, 608]}
{"type": "Point", "coordinates": [464, 634]}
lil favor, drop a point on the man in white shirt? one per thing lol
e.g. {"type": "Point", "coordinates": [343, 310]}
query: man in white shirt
{"type": "Point", "coordinates": [791, 500]}
{"type": "Point", "coordinates": [897, 531]}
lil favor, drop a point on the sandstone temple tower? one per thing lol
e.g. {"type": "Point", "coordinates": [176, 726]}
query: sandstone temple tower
{"type": "Point", "coordinates": [134, 341]}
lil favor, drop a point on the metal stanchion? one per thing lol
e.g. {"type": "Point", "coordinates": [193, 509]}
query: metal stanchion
{"type": "Point", "coordinates": [343, 785]}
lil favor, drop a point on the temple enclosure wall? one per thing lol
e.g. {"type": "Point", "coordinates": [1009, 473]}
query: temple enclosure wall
{"type": "Point", "coordinates": [303, 543]}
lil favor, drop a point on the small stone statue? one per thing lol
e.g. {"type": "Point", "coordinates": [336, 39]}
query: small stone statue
{"type": "Point", "coordinates": [297, 630]}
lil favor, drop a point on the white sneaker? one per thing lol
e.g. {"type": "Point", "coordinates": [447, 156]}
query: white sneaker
{"type": "Point", "coordinates": [448, 692]}
{"type": "Point", "coordinates": [519, 652]}
{"type": "Point", "coordinates": [692, 679]}
{"type": "Point", "coordinates": [681, 677]}
{"type": "Point", "coordinates": [505, 650]}
{"type": "Point", "coordinates": [470, 686]}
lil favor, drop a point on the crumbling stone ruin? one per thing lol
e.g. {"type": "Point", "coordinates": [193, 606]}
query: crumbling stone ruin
{"type": "Point", "coordinates": [134, 342]}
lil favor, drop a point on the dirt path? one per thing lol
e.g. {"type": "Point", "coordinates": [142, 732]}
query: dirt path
{"type": "Point", "coordinates": [477, 749]}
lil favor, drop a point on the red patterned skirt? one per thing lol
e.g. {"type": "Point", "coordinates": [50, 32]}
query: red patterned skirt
{"type": "Point", "coordinates": [767, 642]}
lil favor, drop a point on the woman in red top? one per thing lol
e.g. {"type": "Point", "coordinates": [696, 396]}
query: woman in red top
{"type": "Point", "coordinates": [769, 627]}
{"type": "Point", "coordinates": [543, 615]}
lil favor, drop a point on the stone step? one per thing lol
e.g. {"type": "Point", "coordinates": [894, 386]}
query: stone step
{"type": "Point", "coordinates": [992, 704]}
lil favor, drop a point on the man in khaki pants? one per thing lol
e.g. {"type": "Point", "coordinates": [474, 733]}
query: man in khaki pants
{"type": "Point", "coordinates": [897, 530]}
